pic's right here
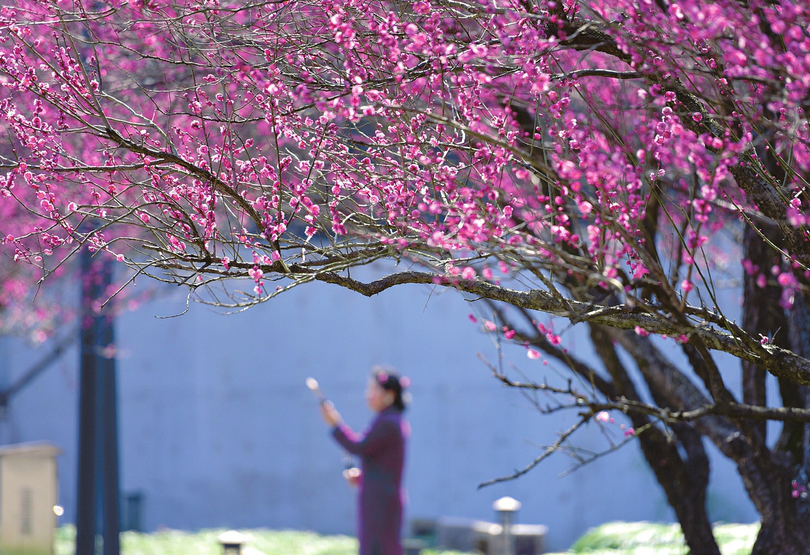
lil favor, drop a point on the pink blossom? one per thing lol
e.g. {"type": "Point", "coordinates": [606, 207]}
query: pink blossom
{"type": "Point", "coordinates": [795, 217]}
{"type": "Point", "coordinates": [787, 279]}
{"type": "Point", "coordinates": [750, 267]}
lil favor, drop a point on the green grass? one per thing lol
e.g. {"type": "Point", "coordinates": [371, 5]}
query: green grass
{"type": "Point", "coordinates": [204, 542]}
{"type": "Point", "coordinates": [615, 538]}
{"type": "Point", "coordinates": [645, 538]}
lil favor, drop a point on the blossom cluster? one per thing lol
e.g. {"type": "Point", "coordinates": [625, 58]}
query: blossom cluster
{"type": "Point", "coordinates": [278, 140]}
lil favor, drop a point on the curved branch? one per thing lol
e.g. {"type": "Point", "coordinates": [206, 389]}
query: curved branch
{"type": "Point", "coordinates": [550, 450]}
{"type": "Point", "coordinates": [780, 362]}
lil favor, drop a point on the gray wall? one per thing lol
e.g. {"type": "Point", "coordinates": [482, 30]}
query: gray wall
{"type": "Point", "coordinates": [218, 430]}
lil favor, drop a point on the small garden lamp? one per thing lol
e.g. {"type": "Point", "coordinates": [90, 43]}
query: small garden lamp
{"type": "Point", "coordinates": [231, 542]}
{"type": "Point", "coordinates": [506, 507]}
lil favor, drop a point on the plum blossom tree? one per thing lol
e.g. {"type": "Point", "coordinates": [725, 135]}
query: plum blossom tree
{"type": "Point", "coordinates": [604, 162]}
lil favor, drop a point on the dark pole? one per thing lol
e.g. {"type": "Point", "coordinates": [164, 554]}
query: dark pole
{"type": "Point", "coordinates": [88, 388]}
{"type": "Point", "coordinates": [98, 420]}
{"type": "Point", "coordinates": [109, 430]}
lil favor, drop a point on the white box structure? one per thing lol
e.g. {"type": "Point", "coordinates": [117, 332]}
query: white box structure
{"type": "Point", "coordinates": [28, 496]}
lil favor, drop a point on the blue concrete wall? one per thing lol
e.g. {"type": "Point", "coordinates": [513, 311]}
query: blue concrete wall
{"type": "Point", "coordinates": [218, 430]}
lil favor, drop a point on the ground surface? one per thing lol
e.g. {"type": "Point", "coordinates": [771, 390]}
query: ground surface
{"type": "Point", "coordinates": [616, 538]}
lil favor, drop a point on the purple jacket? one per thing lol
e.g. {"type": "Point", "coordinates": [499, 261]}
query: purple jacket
{"type": "Point", "coordinates": [382, 454]}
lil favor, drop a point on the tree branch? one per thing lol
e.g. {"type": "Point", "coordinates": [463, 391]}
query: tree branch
{"type": "Point", "coordinates": [779, 362]}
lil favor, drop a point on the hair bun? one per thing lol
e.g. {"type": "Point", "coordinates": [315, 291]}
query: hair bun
{"type": "Point", "coordinates": [388, 378]}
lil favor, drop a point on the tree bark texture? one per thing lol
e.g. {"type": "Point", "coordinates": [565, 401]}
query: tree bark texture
{"type": "Point", "coordinates": [684, 479]}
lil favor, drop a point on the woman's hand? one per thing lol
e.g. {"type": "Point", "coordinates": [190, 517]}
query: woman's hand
{"type": "Point", "coordinates": [352, 476]}
{"type": "Point", "coordinates": [329, 414]}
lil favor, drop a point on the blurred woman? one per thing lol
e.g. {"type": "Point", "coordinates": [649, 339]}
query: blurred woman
{"type": "Point", "coordinates": [381, 449]}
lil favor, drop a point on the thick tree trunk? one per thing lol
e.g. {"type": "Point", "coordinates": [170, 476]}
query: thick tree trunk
{"type": "Point", "coordinates": [683, 478]}
{"type": "Point", "coordinates": [763, 319]}
{"type": "Point", "coordinates": [768, 476]}
{"type": "Point", "coordinates": [785, 519]}
{"type": "Point", "coordinates": [781, 534]}
{"type": "Point", "coordinates": [685, 481]}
